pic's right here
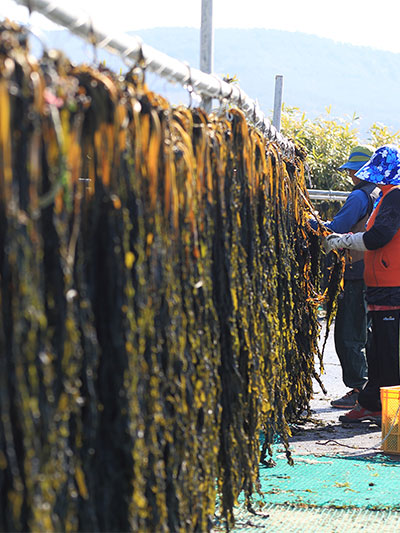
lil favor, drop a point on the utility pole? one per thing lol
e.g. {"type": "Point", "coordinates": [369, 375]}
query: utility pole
{"type": "Point", "coordinates": [207, 44]}
{"type": "Point", "coordinates": [276, 120]}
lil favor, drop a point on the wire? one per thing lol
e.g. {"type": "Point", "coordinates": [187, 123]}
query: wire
{"type": "Point", "coordinates": [395, 419]}
{"type": "Point", "coordinates": [131, 48]}
{"type": "Point", "coordinates": [380, 443]}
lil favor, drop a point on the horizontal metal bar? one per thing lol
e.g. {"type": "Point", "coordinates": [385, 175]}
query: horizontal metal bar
{"type": "Point", "coordinates": [132, 48]}
{"type": "Point", "coordinates": [318, 194]}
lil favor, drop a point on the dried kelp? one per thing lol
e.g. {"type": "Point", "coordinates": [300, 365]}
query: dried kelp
{"type": "Point", "coordinates": [159, 293]}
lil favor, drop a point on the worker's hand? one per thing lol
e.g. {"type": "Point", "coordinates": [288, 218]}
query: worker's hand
{"type": "Point", "coordinates": [335, 241]}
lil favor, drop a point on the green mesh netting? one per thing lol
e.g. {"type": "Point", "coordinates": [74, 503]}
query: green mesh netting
{"type": "Point", "coordinates": [340, 481]}
{"type": "Point", "coordinates": [290, 519]}
{"type": "Point", "coordinates": [357, 493]}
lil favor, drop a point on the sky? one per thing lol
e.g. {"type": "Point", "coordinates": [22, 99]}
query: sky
{"type": "Point", "coordinates": [359, 22]}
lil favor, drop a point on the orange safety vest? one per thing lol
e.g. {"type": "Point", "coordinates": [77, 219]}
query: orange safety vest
{"type": "Point", "coordinates": [382, 266]}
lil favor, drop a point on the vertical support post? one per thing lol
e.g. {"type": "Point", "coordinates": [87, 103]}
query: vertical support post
{"type": "Point", "coordinates": [276, 119]}
{"type": "Point", "coordinates": [207, 44]}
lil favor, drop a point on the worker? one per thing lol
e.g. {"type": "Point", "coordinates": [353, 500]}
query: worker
{"type": "Point", "coordinates": [380, 244]}
{"type": "Point", "coordinates": [350, 329]}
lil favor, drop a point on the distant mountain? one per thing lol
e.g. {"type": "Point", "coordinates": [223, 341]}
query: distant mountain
{"type": "Point", "coordinates": [318, 72]}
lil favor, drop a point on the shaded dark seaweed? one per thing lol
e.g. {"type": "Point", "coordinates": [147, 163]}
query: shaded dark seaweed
{"type": "Point", "coordinates": [158, 303]}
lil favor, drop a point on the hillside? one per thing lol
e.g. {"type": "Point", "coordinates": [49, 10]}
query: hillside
{"type": "Point", "coordinates": [318, 72]}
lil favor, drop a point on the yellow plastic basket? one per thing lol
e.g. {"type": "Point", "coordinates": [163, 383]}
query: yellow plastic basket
{"type": "Point", "coordinates": [390, 398]}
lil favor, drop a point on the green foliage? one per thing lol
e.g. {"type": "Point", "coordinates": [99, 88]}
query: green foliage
{"type": "Point", "coordinates": [328, 141]}
{"type": "Point", "coordinates": [380, 134]}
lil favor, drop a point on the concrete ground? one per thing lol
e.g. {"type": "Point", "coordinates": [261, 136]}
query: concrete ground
{"type": "Point", "coordinates": [325, 434]}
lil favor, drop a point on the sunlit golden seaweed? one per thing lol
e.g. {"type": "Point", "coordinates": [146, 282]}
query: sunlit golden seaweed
{"type": "Point", "coordinates": [159, 294]}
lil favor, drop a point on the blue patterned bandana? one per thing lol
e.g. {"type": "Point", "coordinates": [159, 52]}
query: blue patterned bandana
{"type": "Point", "coordinates": [383, 168]}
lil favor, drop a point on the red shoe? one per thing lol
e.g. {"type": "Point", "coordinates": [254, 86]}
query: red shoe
{"type": "Point", "coordinates": [358, 414]}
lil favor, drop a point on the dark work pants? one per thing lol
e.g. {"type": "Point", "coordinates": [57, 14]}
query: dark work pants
{"type": "Point", "coordinates": [383, 354]}
{"type": "Point", "coordinates": [351, 333]}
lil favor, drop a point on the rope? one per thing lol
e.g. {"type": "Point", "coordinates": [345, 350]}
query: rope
{"type": "Point", "coordinates": [395, 418]}
{"type": "Point", "coordinates": [379, 445]}
{"type": "Point", "coordinates": [132, 48]}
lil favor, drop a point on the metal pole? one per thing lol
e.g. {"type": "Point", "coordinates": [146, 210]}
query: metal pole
{"type": "Point", "coordinates": [318, 194]}
{"type": "Point", "coordinates": [276, 120]}
{"type": "Point", "coordinates": [207, 44]}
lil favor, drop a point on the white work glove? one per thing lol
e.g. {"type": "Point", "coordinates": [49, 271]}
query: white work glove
{"type": "Point", "coordinates": [338, 241]}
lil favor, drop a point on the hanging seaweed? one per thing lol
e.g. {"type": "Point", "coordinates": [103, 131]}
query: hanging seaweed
{"type": "Point", "coordinates": [159, 294]}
